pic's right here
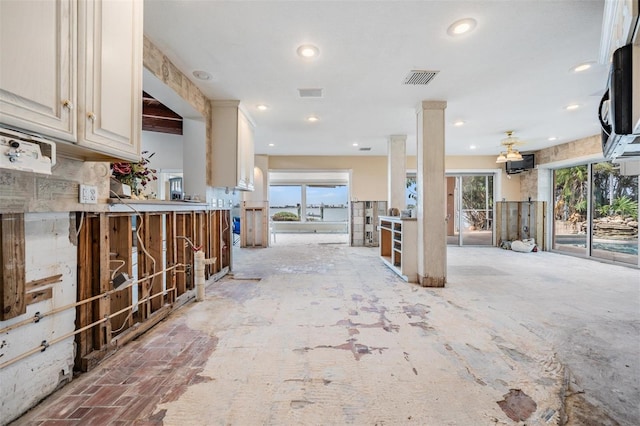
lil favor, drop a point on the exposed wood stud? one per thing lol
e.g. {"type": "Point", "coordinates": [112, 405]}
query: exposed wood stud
{"type": "Point", "coordinates": [43, 281]}
{"type": "Point", "coordinates": [12, 261]}
{"type": "Point", "coordinates": [39, 295]}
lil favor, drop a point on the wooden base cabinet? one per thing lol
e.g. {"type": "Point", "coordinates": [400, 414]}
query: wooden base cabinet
{"type": "Point", "coordinates": [398, 246]}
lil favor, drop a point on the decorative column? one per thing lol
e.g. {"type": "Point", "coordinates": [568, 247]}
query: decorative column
{"type": "Point", "coordinates": [396, 171]}
{"type": "Point", "coordinates": [431, 191]}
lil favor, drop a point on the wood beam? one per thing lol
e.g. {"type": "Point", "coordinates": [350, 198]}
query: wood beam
{"type": "Point", "coordinates": [12, 261]}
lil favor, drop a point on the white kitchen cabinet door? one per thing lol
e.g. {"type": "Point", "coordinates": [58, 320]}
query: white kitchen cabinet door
{"type": "Point", "coordinates": [110, 77]}
{"type": "Point", "coordinates": [38, 66]}
{"type": "Point", "coordinates": [232, 146]}
{"type": "Point", "coordinates": [245, 153]}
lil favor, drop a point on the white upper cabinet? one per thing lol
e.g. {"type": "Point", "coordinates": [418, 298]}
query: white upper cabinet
{"type": "Point", "coordinates": [110, 76]}
{"type": "Point", "coordinates": [232, 147]}
{"type": "Point", "coordinates": [72, 70]}
{"type": "Point", "coordinates": [38, 66]}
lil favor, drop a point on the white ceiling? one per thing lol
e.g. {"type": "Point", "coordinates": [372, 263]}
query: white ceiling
{"type": "Point", "coordinates": [513, 72]}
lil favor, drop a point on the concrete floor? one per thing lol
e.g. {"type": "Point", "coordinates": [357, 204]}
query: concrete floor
{"type": "Point", "coordinates": [312, 331]}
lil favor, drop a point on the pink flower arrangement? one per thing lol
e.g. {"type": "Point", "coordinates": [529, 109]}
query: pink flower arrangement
{"type": "Point", "coordinates": [128, 173]}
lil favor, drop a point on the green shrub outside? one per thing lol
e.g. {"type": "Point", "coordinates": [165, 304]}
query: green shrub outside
{"type": "Point", "coordinates": [285, 217]}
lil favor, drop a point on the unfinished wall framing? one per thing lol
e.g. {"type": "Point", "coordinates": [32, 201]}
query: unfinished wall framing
{"type": "Point", "coordinates": [254, 224]}
{"type": "Point", "coordinates": [518, 220]}
{"type": "Point", "coordinates": [163, 244]}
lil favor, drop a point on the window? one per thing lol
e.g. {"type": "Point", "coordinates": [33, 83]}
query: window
{"type": "Point", "coordinates": [602, 221]}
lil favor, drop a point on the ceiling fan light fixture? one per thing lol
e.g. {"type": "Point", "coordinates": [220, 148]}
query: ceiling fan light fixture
{"type": "Point", "coordinates": [514, 156]}
{"type": "Point", "coordinates": [511, 154]}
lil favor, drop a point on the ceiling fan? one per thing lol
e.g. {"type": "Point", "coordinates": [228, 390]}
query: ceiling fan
{"type": "Point", "coordinates": [511, 154]}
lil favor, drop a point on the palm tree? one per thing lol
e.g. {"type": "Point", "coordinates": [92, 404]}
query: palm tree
{"type": "Point", "coordinates": [571, 193]}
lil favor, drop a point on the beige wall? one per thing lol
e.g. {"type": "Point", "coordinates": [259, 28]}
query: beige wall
{"type": "Point", "coordinates": [369, 173]}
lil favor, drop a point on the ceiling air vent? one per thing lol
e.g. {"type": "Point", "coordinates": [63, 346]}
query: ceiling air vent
{"type": "Point", "coordinates": [310, 93]}
{"type": "Point", "coordinates": [420, 77]}
{"type": "Point", "coordinates": [367, 148]}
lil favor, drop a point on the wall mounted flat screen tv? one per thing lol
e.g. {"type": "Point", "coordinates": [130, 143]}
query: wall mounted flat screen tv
{"type": "Point", "coordinates": [527, 163]}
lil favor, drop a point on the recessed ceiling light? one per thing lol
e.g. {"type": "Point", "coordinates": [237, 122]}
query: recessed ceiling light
{"type": "Point", "coordinates": [582, 67]}
{"type": "Point", "coordinates": [312, 118]}
{"type": "Point", "coordinates": [461, 26]}
{"type": "Point", "coordinates": [308, 51]}
{"type": "Point", "coordinates": [202, 75]}
{"type": "Point", "coordinates": [263, 107]}
{"type": "Point", "coordinates": [355, 144]}
{"type": "Point", "coordinates": [572, 106]}
{"type": "Point", "coordinates": [472, 147]}
{"type": "Point", "coordinates": [458, 123]}
{"type": "Point", "coordinates": [271, 144]}
{"type": "Point", "coordinates": [552, 138]}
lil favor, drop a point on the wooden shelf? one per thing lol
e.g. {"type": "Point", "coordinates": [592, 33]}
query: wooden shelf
{"type": "Point", "coordinates": [364, 219]}
{"type": "Point", "coordinates": [398, 246]}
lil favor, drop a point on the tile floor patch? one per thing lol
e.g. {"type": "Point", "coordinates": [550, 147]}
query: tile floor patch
{"type": "Point", "coordinates": [517, 405]}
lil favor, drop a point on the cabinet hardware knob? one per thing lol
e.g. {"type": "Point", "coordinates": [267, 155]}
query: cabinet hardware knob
{"type": "Point", "coordinates": [91, 116]}
{"type": "Point", "coordinates": [67, 104]}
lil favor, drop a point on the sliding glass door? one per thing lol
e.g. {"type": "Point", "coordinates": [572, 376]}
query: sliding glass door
{"type": "Point", "coordinates": [596, 212]}
{"type": "Point", "coordinates": [614, 213]}
{"type": "Point", "coordinates": [570, 209]}
{"type": "Point", "coordinates": [470, 210]}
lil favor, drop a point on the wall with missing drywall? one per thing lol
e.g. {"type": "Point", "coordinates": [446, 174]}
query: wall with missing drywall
{"type": "Point", "coordinates": [50, 259]}
{"type": "Point", "coordinates": [22, 192]}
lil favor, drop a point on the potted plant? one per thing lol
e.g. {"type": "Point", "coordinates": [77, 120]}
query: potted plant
{"type": "Point", "coordinates": [135, 175]}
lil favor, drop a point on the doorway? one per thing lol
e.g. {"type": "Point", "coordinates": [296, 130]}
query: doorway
{"type": "Point", "coordinates": [470, 201]}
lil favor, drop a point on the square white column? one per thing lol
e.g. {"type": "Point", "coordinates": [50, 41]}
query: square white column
{"type": "Point", "coordinates": [431, 190]}
{"type": "Point", "coordinates": [396, 171]}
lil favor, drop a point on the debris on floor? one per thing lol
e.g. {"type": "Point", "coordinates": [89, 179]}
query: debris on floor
{"type": "Point", "coordinates": [523, 246]}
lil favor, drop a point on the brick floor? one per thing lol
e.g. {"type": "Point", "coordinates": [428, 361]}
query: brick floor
{"type": "Point", "coordinates": [126, 388]}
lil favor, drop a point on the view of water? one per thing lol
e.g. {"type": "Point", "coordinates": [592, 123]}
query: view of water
{"type": "Point", "coordinates": [330, 214]}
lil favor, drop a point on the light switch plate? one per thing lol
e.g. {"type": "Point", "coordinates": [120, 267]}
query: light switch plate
{"type": "Point", "coordinates": [88, 194]}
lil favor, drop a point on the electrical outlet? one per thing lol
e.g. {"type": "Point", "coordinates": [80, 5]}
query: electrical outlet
{"type": "Point", "coordinates": [88, 194]}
